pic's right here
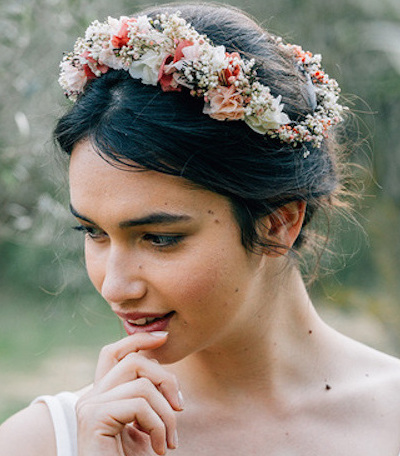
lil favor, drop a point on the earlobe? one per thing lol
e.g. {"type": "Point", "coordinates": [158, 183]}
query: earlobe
{"type": "Point", "coordinates": [283, 226]}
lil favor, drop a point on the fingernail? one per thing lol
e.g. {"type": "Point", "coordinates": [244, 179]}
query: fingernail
{"type": "Point", "coordinates": [180, 400]}
{"type": "Point", "coordinates": [176, 440]}
{"type": "Point", "coordinates": [159, 333]}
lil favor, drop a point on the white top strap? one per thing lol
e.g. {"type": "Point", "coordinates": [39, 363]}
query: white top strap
{"type": "Point", "coordinates": [62, 411]}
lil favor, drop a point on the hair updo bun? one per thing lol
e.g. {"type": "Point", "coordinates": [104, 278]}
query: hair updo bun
{"type": "Point", "coordinates": [128, 121]}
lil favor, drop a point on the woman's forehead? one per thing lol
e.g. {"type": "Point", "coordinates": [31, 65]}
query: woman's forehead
{"type": "Point", "coordinates": [90, 167]}
{"type": "Point", "coordinates": [96, 181]}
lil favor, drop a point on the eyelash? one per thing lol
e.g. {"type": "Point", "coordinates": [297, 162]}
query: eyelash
{"type": "Point", "coordinates": [166, 240]}
{"type": "Point", "coordinates": [90, 231]}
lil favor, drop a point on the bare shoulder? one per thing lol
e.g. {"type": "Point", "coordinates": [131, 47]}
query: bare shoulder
{"type": "Point", "coordinates": [385, 370]}
{"type": "Point", "coordinates": [29, 431]}
{"type": "Point", "coordinates": [376, 376]}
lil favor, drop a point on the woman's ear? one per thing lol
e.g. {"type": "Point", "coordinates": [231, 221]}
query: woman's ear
{"type": "Point", "coordinates": [283, 226]}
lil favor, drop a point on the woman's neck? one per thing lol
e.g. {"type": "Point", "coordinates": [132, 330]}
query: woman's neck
{"type": "Point", "coordinates": [279, 343]}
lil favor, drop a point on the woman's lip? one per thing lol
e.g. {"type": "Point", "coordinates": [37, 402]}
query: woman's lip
{"type": "Point", "coordinates": [159, 325]}
{"type": "Point", "coordinates": [138, 315]}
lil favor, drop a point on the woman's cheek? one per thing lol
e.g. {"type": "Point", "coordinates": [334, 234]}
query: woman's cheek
{"type": "Point", "coordinates": [95, 265]}
{"type": "Point", "coordinates": [201, 287]}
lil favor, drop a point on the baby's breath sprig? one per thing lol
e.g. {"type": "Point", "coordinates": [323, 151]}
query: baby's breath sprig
{"type": "Point", "coordinates": [168, 51]}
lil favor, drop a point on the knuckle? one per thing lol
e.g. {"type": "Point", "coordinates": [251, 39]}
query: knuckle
{"type": "Point", "coordinates": [107, 351]}
{"type": "Point", "coordinates": [132, 357]}
{"type": "Point", "coordinates": [85, 410]}
{"type": "Point", "coordinates": [169, 419]}
{"type": "Point", "coordinates": [159, 432]}
{"type": "Point", "coordinates": [170, 381]}
{"type": "Point", "coordinates": [131, 361]}
{"type": "Point", "coordinates": [141, 404]}
{"type": "Point", "coordinates": [144, 384]}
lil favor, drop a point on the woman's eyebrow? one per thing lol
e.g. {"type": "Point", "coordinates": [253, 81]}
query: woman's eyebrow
{"type": "Point", "coordinates": [76, 214]}
{"type": "Point", "coordinates": [156, 218]}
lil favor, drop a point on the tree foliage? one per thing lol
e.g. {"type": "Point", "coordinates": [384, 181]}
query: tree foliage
{"type": "Point", "coordinates": [360, 43]}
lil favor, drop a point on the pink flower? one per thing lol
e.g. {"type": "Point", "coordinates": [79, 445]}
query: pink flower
{"type": "Point", "coordinates": [179, 49]}
{"type": "Point", "coordinates": [224, 103]}
{"type": "Point", "coordinates": [165, 76]}
{"type": "Point", "coordinates": [192, 52]}
{"type": "Point", "coordinates": [73, 78]}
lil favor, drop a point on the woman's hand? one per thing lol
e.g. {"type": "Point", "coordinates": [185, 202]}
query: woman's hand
{"type": "Point", "coordinates": [133, 400]}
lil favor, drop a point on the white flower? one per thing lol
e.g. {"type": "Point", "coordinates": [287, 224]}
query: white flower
{"type": "Point", "coordinates": [270, 119]}
{"type": "Point", "coordinates": [192, 52]}
{"type": "Point", "coordinates": [143, 24]}
{"type": "Point", "coordinates": [97, 29]}
{"type": "Point", "coordinates": [72, 79]}
{"type": "Point", "coordinates": [137, 46]}
{"type": "Point", "coordinates": [147, 67]}
{"type": "Point", "coordinates": [182, 81]}
{"type": "Point", "coordinates": [219, 60]}
{"type": "Point", "coordinates": [115, 24]}
{"type": "Point", "coordinates": [107, 57]}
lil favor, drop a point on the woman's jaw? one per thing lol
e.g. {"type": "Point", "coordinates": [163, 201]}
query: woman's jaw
{"type": "Point", "coordinates": [167, 257]}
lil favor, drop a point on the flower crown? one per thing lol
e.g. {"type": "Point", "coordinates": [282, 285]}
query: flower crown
{"type": "Point", "coordinates": [170, 52]}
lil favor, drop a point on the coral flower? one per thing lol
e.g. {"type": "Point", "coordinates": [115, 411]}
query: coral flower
{"type": "Point", "coordinates": [225, 103]}
{"type": "Point", "coordinates": [122, 38]}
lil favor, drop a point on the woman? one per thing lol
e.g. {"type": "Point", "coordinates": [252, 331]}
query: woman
{"type": "Point", "coordinates": [194, 173]}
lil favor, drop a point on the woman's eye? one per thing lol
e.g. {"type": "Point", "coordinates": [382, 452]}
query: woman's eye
{"type": "Point", "coordinates": [93, 233]}
{"type": "Point", "coordinates": [163, 240]}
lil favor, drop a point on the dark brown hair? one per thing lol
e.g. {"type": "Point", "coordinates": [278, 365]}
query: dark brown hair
{"type": "Point", "coordinates": [140, 125]}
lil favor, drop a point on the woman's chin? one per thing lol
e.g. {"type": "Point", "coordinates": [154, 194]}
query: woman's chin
{"type": "Point", "coordinates": [165, 354]}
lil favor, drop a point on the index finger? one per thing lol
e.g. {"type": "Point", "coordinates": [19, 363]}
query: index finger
{"type": "Point", "coordinates": [112, 354]}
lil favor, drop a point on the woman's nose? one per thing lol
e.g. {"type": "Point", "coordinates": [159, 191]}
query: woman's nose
{"type": "Point", "coordinates": [123, 279]}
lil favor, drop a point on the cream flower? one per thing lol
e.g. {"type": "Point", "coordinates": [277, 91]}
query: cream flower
{"type": "Point", "coordinates": [169, 51]}
{"type": "Point", "coordinates": [219, 59]}
{"type": "Point", "coordinates": [143, 24]}
{"type": "Point", "coordinates": [271, 119]}
{"type": "Point", "coordinates": [147, 68]}
{"type": "Point", "coordinates": [107, 57]}
{"type": "Point", "coordinates": [115, 24]}
{"type": "Point", "coordinates": [191, 52]}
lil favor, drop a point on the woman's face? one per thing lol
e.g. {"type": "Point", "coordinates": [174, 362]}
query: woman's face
{"type": "Point", "coordinates": [165, 256]}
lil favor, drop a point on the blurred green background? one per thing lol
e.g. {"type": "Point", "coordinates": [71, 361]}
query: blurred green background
{"type": "Point", "coordinates": [52, 324]}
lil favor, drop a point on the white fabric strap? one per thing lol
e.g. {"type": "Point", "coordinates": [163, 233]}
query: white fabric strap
{"type": "Point", "coordinates": [62, 411]}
